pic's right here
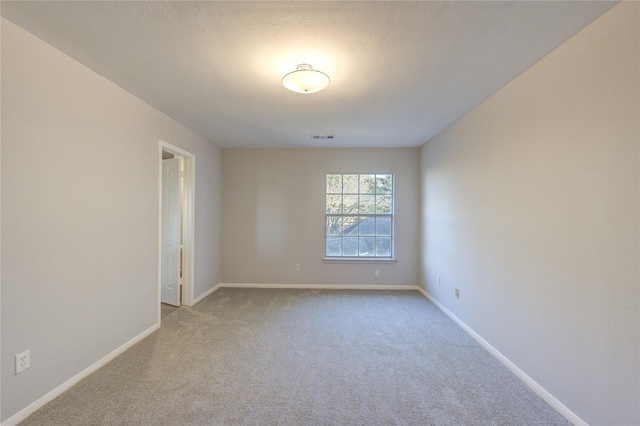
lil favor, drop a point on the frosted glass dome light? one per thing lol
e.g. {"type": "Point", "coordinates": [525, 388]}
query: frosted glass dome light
{"type": "Point", "coordinates": [305, 80]}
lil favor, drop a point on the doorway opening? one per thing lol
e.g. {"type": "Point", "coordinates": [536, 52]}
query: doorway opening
{"type": "Point", "coordinates": [175, 228]}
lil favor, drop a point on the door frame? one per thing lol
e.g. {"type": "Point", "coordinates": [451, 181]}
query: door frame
{"type": "Point", "coordinates": [188, 222]}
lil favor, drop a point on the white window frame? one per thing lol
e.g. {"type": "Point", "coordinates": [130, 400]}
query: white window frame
{"type": "Point", "coordinates": [360, 258]}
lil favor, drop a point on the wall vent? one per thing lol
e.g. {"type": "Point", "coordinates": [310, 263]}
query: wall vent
{"type": "Point", "coordinates": [320, 137]}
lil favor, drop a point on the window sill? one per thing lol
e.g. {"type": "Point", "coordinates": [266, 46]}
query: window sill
{"type": "Point", "coordinates": [357, 260]}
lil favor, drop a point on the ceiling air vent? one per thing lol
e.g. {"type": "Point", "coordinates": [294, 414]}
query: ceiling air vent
{"type": "Point", "coordinates": [321, 137]}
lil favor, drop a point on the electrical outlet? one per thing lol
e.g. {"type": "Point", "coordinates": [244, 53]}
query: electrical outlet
{"type": "Point", "coordinates": [22, 361]}
{"type": "Point", "coordinates": [457, 293]}
{"type": "Point", "coordinates": [377, 273]}
{"type": "Point", "coordinates": [296, 267]}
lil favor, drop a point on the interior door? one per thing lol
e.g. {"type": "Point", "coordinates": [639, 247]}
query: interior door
{"type": "Point", "coordinates": [170, 275]}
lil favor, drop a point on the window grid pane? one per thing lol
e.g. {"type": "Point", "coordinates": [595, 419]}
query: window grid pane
{"type": "Point", "coordinates": [334, 204]}
{"type": "Point", "coordinates": [334, 184]}
{"type": "Point", "coordinates": [359, 212]}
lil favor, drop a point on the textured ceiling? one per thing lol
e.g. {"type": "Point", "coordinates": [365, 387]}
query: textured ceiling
{"type": "Point", "coordinates": [400, 71]}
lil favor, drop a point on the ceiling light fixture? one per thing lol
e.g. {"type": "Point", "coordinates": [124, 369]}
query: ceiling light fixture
{"type": "Point", "coordinates": [305, 80]}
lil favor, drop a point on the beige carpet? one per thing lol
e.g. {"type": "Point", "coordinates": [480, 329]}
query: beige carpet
{"type": "Point", "coordinates": [166, 310]}
{"type": "Point", "coordinates": [303, 357]}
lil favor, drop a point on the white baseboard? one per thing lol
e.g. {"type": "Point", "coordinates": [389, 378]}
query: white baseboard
{"type": "Point", "coordinates": [205, 294]}
{"type": "Point", "coordinates": [532, 384]}
{"type": "Point", "coordinates": [25, 412]}
{"type": "Point", "coordinates": [323, 286]}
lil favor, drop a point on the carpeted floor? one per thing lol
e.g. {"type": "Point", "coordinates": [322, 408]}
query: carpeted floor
{"type": "Point", "coordinates": [166, 310]}
{"type": "Point", "coordinates": [303, 357]}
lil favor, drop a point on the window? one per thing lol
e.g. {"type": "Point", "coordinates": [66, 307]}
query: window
{"type": "Point", "coordinates": [359, 216]}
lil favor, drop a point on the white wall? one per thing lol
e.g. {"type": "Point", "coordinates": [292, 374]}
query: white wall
{"type": "Point", "coordinates": [79, 215]}
{"type": "Point", "coordinates": [273, 215]}
{"type": "Point", "coordinates": [530, 206]}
